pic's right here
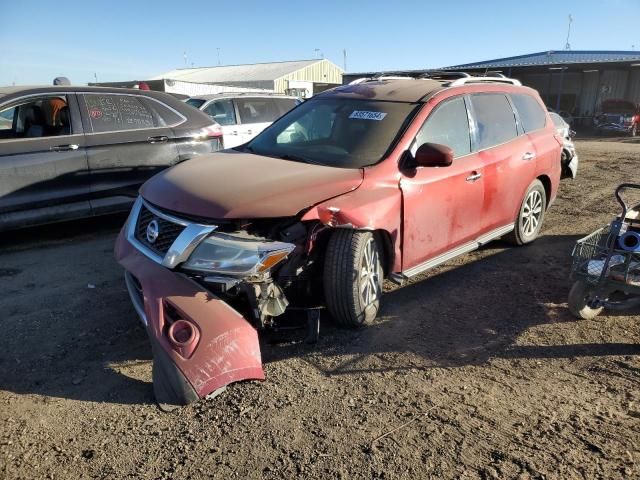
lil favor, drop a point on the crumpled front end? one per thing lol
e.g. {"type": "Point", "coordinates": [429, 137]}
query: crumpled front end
{"type": "Point", "coordinates": [200, 343]}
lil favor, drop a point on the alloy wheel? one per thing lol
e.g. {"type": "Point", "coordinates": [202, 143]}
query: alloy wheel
{"type": "Point", "coordinates": [531, 213]}
{"type": "Point", "coordinates": [370, 275]}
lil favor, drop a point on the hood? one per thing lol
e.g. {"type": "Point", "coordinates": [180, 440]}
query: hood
{"type": "Point", "coordinates": [242, 185]}
{"type": "Point", "coordinates": [618, 106]}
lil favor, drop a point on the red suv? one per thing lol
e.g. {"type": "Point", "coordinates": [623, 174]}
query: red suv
{"type": "Point", "coordinates": [384, 178]}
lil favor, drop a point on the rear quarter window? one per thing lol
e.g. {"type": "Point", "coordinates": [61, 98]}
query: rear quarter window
{"type": "Point", "coordinates": [494, 119]}
{"type": "Point", "coordinates": [532, 116]}
{"type": "Point", "coordinates": [165, 116]}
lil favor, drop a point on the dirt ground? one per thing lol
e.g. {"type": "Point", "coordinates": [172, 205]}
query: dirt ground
{"type": "Point", "coordinates": [477, 369]}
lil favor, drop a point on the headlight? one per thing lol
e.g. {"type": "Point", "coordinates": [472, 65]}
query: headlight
{"type": "Point", "coordinates": [232, 255]}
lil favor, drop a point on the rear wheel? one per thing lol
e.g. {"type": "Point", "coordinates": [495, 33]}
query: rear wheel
{"type": "Point", "coordinates": [579, 297]}
{"type": "Point", "coordinates": [353, 276]}
{"type": "Point", "coordinates": [530, 215]}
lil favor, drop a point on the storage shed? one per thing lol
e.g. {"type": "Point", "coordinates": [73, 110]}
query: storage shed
{"type": "Point", "coordinates": [302, 77]}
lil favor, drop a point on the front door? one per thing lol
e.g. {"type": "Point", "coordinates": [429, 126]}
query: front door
{"type": "Point", "coordinates": [442, 206]}
{"type": "Point", "coordinates": [223, 113]}
{"type": "Point", "coordinates": [43, 164]}
{"type": "Point", "coordinates": [126, 145]}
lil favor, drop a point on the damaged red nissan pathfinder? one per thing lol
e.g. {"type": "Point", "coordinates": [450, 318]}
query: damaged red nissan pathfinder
{"type": "Point", "coordinates": [382, 178]}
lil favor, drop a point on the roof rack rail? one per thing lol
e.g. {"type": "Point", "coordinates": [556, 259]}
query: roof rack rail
{"type": "Point", "coordinates": [465, 80]}
{"type": "Point", "coordinates": [443, 75]}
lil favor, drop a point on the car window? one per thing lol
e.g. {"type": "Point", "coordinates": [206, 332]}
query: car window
{"type": "Point", "coordinates": [113, 112]}
{"type": "Point", "coordinates": [257, 110]}
{"type": "Point", "coordinates": [46, 116]}
{"type": "Point", "coordinates": [448, 125]}
{"type": "Point", "coordinates": [339, 132]}
{"type": "Point", "coordinates": [532, 116]}
{"type": "Point", "coordinates": [165, 116]}
{"type": "Point", "coordinates": [222, 112]}
{"type": "Point", "coordinates": [557, 120]}
{"type": "Point", "coordinates": [195, 102]}
{"type": "Point", "coordinates": [284, 104]}
{"type": "Point", "coordinates": [494, 118]}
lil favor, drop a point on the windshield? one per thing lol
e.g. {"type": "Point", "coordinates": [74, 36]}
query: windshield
{"type": "Point", "coordinates": [335, 132]}
{"type": "Point", "coordinates": [194, 102]}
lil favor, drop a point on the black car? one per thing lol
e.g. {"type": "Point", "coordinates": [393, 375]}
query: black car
{"type": "Point", "coordinates": [71, 152]}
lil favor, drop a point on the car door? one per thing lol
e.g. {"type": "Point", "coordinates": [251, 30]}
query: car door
{"type": "Point", "coordinates": [43, 163]}
{"type": "Point", "coordinates": [223, 112]}
{"type": "Point", "coordinates": [127, 143]}
{"type": "Point", "coordinates": [255, 114]}
{"type": "Point", "coordinates": [442, 205]}
{"type": "Point", "coordinates": [508, 157]}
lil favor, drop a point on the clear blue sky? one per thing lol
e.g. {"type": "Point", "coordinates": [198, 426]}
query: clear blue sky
{"type": "Point", "coordinates": [132, 40]}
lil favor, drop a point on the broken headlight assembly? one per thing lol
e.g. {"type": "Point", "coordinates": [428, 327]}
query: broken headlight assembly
{"type": "Point", "coordinates": [238, 256]}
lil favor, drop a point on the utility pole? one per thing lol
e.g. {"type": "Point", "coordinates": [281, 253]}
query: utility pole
{"type": "Point", "coordinates": [317, 52]}
{"type": "Point", "coordinates": [95, 75]}
{"type": "Point", "coordinates": [184, 55]}
{"type": "Point", "coordinates": [218, 49]}
{"type": "Point", "coordinates": [344, 59]}
{"type": "Point", "coordinates": [568, 45]}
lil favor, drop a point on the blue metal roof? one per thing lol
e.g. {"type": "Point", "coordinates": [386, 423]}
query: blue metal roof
{"type": "Point", "coordinates": [555, 57]}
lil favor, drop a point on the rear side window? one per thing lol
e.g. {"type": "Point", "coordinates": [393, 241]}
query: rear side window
{"type": "Point", "coordinates": [494, 118]}
{"type": "Point", "coordinates": [221, 111]}
{"type": "Point", "coordinates": [109, 113]}
{"type": "Point", "coordinates": [284, 104]}
{"type": "Point", "coordinates": [257, 110]}
{"type": "Point", "coordinates": [46, 116]}
{"type": "Point", "coordinates": [448, 125]}
{"type": "Point", "coordinates": [165, 116]}
{"type": "Point", "coordinates": [531, 114]}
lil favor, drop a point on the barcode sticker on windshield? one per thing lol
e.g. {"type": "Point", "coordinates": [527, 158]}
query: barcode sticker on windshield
{"type": "Point", "coordinates": [364, 115]}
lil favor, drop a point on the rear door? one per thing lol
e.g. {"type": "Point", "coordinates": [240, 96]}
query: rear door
{"type": "Point", "coordinates": [43, 163]}
{"type": "Point", "coordinates": [507, 155]}
{"type": "Point", "coordinates": [255, 114]}
{"type": "Point", "coordinates": [224, 114]}
{"type": "Point", "coordinates": [442, 206]}
{"type": "Point", "coordinates": [127, 143]}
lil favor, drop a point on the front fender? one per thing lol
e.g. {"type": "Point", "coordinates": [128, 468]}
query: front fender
{"type": "Point", "coordinates": [370, 207]}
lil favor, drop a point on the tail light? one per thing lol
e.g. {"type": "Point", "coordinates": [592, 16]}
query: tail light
{"type": "Point", "coordinates": [205, 133]}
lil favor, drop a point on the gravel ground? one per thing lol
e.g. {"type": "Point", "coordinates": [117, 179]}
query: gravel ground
{"type": "Point", "coordinates": [474, 371]}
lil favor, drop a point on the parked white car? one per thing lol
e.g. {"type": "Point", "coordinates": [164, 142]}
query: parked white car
{"type": "Point", "coordinates": [242, 116]}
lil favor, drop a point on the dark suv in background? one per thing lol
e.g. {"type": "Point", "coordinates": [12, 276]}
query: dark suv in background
{"type": "Point", "coordinates": [71, 152]}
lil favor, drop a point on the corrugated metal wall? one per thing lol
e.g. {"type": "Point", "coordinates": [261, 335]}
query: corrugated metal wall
{"type": "Point", "coordinates": [321, 72]}
{"type": "Point", "coordinates": [582, 92]}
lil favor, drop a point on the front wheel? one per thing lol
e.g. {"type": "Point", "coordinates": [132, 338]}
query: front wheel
{"type": "Point", "coordinates": [353, 276]}
{"type": "Point", "coordinates": [530, 215]}
{"type": "Point", "coordinates": [578, 302]}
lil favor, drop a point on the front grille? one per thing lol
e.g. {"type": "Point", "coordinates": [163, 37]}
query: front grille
{"type": "Point", "coordinates": [167, 231]}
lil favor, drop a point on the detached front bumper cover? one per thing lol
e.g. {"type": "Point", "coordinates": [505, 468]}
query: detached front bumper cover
{"type": "Point", "coordinates": [200, 344]}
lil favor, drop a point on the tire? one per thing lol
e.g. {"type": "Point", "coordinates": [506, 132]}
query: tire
{"type": "Point", "coordinates": [578, 297]}
{"type": "Point", "coordinates": [530, 215]}
{"type": "Point", "coordinates": [353, 277]}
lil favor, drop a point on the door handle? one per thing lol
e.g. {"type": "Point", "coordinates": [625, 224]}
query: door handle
{"type": "Point", "coordinates": [528, 156]}
{"type": "Point", "coordinates": [235, 132]}
{"type": "Point", "coordinates": [64, 148]}
{"type": "Point", "coordinates": [158, 139]}
{"type": "Point", "coordinates": [249, 132]}
{"type": "Point", "coordinates": [474, 176]}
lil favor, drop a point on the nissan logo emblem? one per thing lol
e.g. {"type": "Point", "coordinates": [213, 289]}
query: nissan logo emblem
{"type": "Point", "coordinates": [153, 230]}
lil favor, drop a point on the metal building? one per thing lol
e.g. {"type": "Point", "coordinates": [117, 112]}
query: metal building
{"type": "Point", "coordinates": [570, 80]}
{"type": "Point", "coordinates": [302, 78]}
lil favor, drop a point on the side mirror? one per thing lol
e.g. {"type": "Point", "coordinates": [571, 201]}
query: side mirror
{"type": "Point", "coordinates": [572, 133]}
{"type": "Point", "coordinates": [434, 155]}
